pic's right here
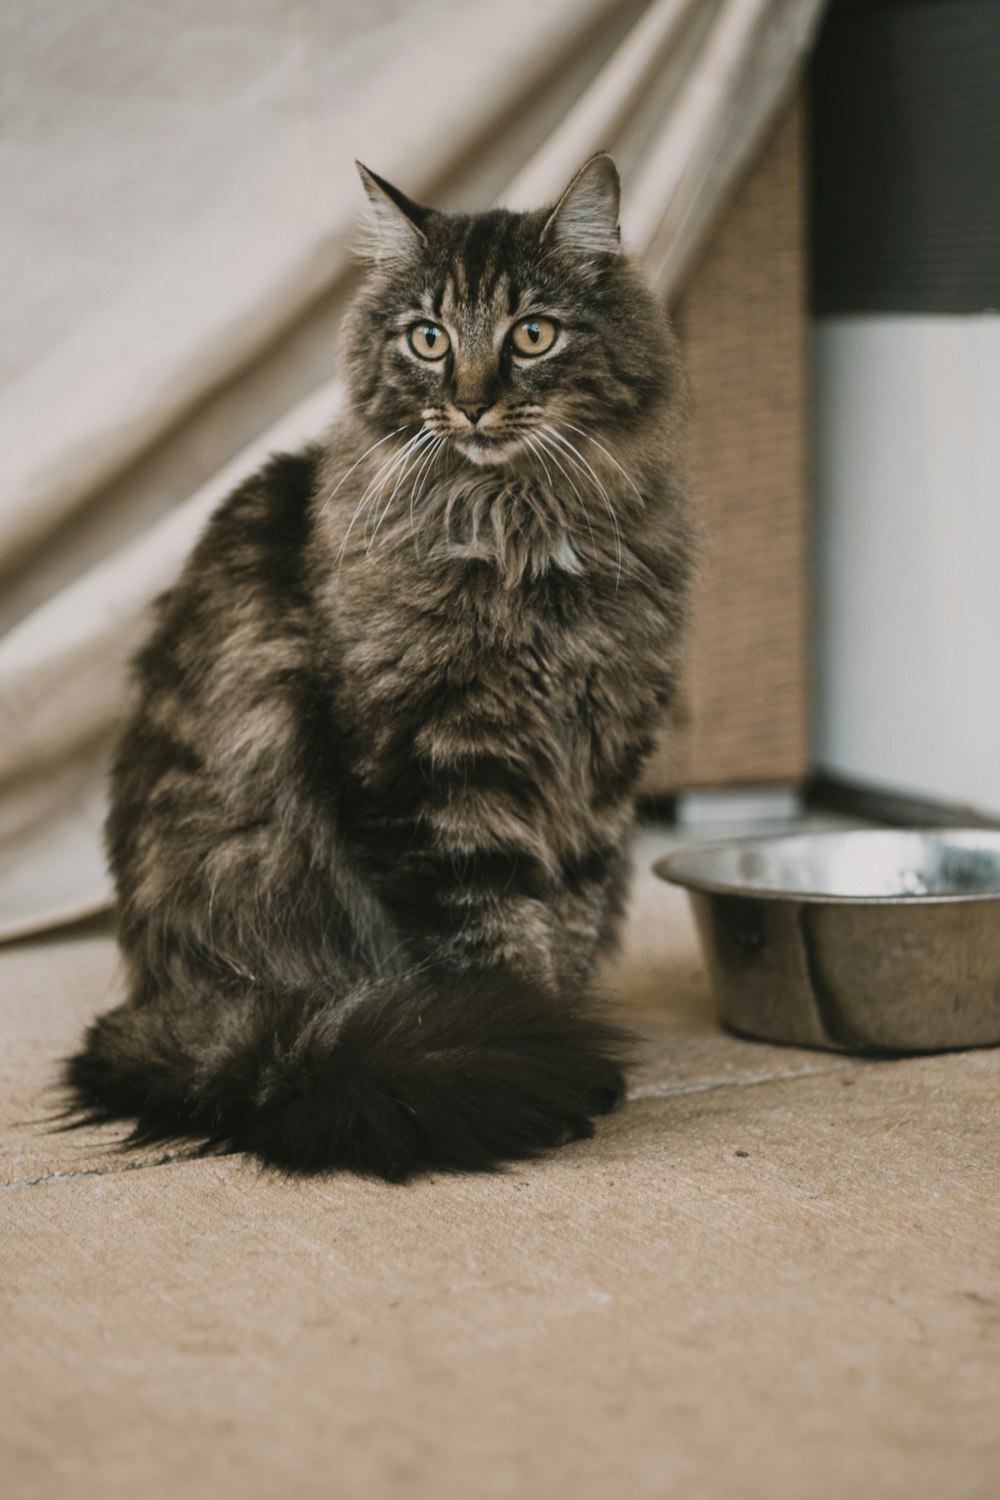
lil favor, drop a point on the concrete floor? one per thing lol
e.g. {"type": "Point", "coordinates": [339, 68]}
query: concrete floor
{"type": "Point", "coordinates": [774, 1273]}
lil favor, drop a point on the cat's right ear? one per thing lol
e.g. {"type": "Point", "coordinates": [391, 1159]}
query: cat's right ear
{"type": "Point", "coordinates": [397, 220]}
{"type": "Point", "coordinates": [585, 220]}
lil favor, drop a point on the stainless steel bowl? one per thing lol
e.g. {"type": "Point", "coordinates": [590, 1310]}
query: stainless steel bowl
{"type": "Point", "coordinates": [878, 940]}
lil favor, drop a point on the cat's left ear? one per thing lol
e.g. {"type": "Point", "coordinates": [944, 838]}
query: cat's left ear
{"type": "Point", "coordinates": [398, 220]}
{"type": "Point", "coordinates": [585, 220]}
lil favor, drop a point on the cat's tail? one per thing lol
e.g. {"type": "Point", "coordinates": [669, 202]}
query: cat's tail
{"type": "Point", "coordinates": [403, 1075]}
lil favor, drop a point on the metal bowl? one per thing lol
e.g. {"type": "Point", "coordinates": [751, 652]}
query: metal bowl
{"type": "Point", "coordinates": [878, 940]}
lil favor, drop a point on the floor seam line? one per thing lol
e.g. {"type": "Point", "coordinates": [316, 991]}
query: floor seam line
{"type": "Point", "coordinates": [708, 1085]}
{"type": "Point", "coordinates": [136, 1166]}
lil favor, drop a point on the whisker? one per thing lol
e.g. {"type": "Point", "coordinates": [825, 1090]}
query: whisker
{"type": "Point", "coordinates": [368, 495]}
{"type": "Point", "coordinates": [410, 452]}
{"type": "Point", "coordinates": [422, 477]}
{"type": "Point", "coordinates": [347, 534]}
{"type": "Point", "coordinates": [385, 474]}
{"type": "Point", "coordinates": [372, 491]}
{"type": "Point", "coordinates": [553, 453]}
{"type": "Point", "coordinates": [345, 476]}
{"type": "Point", "coordinates": [577, 457]}
{"type": "Point", "coordinates": [529, 444]}
{"type": "Point", "coordinates": [608, 454]}
{"type": "Point", "coordinates": [423, 471]}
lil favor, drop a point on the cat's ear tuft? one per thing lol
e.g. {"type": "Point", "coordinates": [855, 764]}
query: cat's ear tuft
{"type": "Point", "coordinates": [585, 220]}
{"type": "Point", "coordinates": [397, 221]}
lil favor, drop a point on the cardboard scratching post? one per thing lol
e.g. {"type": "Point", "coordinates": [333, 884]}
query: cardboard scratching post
{"type": "Point", "coordinates": [742, 319]}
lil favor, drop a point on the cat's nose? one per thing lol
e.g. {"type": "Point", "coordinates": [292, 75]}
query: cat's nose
{"type": "Point", "coordinates": [473, 409]}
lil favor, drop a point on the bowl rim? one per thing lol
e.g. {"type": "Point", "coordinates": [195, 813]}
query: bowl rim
{"type": "Point", "coordinates": [668, 867]}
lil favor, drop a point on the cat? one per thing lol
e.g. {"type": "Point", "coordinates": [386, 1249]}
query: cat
{"type": "Point", "coordinates": [370, 816]}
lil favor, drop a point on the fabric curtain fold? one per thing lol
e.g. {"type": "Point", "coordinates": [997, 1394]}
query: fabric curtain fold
{"type": "Point", "coordinates": [187, 206]}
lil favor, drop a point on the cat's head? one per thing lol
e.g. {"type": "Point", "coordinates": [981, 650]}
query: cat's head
{"type": "Point", "coordinates": [506, 334]}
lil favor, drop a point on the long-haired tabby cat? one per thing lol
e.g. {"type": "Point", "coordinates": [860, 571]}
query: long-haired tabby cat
{"type": "Point", "coordinates": [370, 816]}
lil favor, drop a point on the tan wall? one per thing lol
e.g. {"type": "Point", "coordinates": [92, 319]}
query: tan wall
{"type": "Point", "coordinates": [742, 321]}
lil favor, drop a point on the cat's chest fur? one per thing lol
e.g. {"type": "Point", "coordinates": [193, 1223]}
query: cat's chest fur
{"type": "Point", "coordinates": [501, 668]}
{"type": "Point", "coordinates": [451, 667]}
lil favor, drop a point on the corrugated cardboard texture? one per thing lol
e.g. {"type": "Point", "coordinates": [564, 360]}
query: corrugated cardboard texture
{"type": "Point", "coordinates": [742, 322]}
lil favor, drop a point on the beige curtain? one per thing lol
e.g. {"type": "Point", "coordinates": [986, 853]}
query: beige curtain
{"type": "Point", "coordinates": [179, 204]}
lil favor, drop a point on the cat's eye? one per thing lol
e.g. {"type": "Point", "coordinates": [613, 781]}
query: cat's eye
{"type": "Point", "coordinates": [533, 336]}
{"type": "Point", "coordinates": [429, 340]}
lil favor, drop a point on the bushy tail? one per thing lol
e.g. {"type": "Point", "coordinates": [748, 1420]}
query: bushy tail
{"type": "Point", "coordinates": [403, 1075]}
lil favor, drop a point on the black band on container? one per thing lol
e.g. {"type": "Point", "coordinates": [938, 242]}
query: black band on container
{"type": "Point", "coordinates": [906, 157]}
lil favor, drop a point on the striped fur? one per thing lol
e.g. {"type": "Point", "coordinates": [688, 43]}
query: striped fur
{"type": "Point", "coordinates": [370, 817]}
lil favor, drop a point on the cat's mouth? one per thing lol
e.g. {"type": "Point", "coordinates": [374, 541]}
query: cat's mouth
{"type": "Point", "coordinates": [484, 449]}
